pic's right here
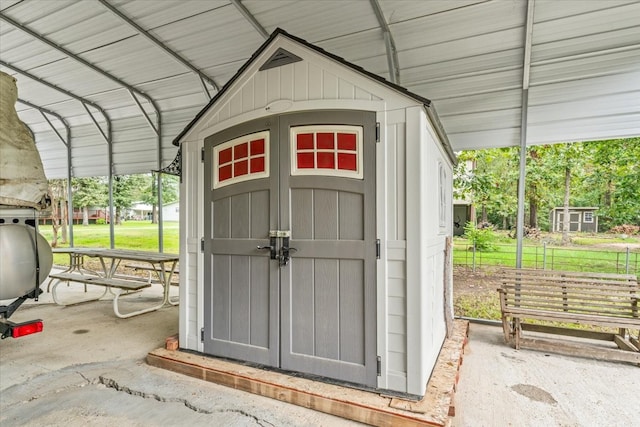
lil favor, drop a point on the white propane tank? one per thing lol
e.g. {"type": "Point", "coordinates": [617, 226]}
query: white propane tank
{"type": "Point", "coordinates": [18, 260]}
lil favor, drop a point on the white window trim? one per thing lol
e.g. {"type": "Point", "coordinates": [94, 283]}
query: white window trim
{"type": "Point", "coordinates": [584, 217]}
{"type": "Point", "coordinates": [249, 176]}
{"type": "Point", "coordinates": [357, 174]}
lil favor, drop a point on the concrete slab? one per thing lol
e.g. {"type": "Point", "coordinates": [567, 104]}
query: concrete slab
{"type": "Point", "coordinates": [88, 368]}
{"type": "Point", "coordinates": [500, 386]}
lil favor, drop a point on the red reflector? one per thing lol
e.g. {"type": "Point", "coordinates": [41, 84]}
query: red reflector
{"type": "Point", "coordinates": [27, 328]}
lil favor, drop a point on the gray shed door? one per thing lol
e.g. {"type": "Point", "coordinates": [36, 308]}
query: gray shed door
{"type": "Point", "coordinates": [304, 181]}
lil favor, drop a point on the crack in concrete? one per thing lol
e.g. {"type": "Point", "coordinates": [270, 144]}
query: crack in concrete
{"type": "Point", "coordinates": [110, 383]}
{"type": "Point", "coordinates": [59, 390]}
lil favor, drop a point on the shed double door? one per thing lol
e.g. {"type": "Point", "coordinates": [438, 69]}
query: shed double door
{"type": "Point", "coordinates": [304, 181]}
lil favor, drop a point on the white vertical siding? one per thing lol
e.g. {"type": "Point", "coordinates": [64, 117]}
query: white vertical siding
{"type": "Point", "coordinates": [190, 218]}
{"type": "Point", "coordinates": [425, 249]}
{"type": "Point", "coordinates": [307, 80]}
{"type": "Point", "coordinates": [394, 216]}
{"type": "Point", "coordinates": [396, 316]}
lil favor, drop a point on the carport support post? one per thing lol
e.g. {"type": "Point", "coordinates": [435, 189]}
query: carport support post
{"type": "Point", "coordinates": [521, 179]}
{"type": "Point", "coordinates": [526, 68]}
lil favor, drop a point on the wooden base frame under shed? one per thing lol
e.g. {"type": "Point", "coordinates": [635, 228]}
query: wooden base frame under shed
{"type": "Point", "coordinates": [316, 221]}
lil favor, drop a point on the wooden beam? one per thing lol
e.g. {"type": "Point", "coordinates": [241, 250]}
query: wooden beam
{"type": "Point", "coordinates": [308, 398]}
{"type": "Point", "coordinates": [624, 344]}
{"type": "Point", "coordinates": [570, 332]}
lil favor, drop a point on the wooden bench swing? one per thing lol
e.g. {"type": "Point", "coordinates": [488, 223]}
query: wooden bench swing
{"type": "Point", "coordinates": [607, 301]}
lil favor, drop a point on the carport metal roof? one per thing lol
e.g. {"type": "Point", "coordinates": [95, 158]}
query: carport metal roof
{"type": "Point", "coordinates": [568, 70]}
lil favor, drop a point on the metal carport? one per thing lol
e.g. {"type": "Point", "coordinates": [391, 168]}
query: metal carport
{"type": "Point", "coordinates": [501, 73]}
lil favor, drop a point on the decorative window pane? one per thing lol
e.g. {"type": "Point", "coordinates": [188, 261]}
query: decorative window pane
{"type": "Point", "coordinates": [241, 159]}
{"type": "Point", "coordinates": [332, 150]}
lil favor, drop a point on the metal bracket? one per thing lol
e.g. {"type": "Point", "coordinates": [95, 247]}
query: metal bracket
{"type": "Point", "coordinates": [283, 255]}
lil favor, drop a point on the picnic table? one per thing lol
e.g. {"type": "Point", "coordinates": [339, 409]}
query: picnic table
{"type": "Point", "coordinates": [76, 262]}
{"type": "Point", "coordinates": [163, 264]}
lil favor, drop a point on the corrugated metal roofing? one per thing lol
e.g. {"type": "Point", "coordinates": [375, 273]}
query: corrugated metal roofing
{"type": "Point", "coordinates": [467, 56]}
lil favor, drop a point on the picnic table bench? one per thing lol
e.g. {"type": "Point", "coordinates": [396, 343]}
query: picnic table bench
{"type": "Point", "coordinates": [108, 283]}
{"type": "Point", "coordinates": [595, 299]}
{"type": "Point", "coordinates": [153, 269]}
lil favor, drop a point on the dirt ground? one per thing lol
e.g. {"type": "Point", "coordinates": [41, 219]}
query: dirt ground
{"type": "Point", "coordinates": [482, 281]}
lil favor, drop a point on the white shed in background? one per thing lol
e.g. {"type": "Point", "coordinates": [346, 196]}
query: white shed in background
{"type": "Point", "coordinates": [171, 211]}
{"type": "Point", "coordinates": [316, 216]}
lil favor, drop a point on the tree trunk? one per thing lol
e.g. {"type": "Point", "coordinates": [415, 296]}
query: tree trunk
{"type": "Point", "coordinates": [607, 194]}
{"type": "Point", "coordinates": [85, 215]}
{"type": "Point", "coordinates": [533, 208]}
{"type": "Point", "coordinates": [566, 220]}
{"type": "Point", "coordinates": [154, 214]}
{"type": "Point", "coordinates": [484, 214]}
{"type": "Point", "coordinates": [55, 214]}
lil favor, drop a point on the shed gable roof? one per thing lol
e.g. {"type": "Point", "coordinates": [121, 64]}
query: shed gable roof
{"type": "Point", "coordinates": [282, 57]}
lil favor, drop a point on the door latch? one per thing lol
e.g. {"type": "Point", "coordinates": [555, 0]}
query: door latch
{"type": "Point", "coordinates": [285, 252]}
{"type": "Point", "coordinates": [273, 236]}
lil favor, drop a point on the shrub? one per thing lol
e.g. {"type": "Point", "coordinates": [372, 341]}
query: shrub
{"type": "Point", "coordinates": [101, 221]}
{"type": "Point", "coordinates": [482, 238]}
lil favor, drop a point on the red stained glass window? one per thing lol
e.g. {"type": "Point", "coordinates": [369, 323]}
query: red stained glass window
{"type": "Point", "coordinates": [257, 165]}
{"type": "Point", "coordinates": [240, 168]}
{"type": "Point", "coordinates": [326, 161]}
{"type": "Point", "coordinates": [257, 147]}
{"type": "Point", "coordinates": [225, 156]}
{"type": "Point", "coordinates": [347, 141]}
{"type": "Point", "coordinates": [240, 151]}
{"type": "Point", "coordinates": [332, 150]}
{"type": "Point", "coordinates": [306, 161]}
{"type": "Point", "coordinates": [224, 173]}
{"type": "Point", "coordinates": [325, 140]}
{"type": "Point", "coordinates": [305, 141]}
{"type": "Point", "coordinates": [347, 161]}
{"type": "Point", "coordinates": [242, 159]}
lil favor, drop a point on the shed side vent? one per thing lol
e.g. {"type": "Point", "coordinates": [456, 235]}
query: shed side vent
{"type": "Point", "coordinates": [279, 58]}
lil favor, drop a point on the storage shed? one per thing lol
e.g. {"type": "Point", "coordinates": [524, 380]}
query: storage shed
{"type": "Point", "coordinates": [583, 219]}
{"type": "Point", "coordinates": [316, 216]}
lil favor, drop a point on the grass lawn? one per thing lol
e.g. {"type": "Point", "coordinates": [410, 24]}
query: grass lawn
{"type": "Point", "coordinates": [140, 235]}
{"type": "Point", "coordinates": [597, 254]}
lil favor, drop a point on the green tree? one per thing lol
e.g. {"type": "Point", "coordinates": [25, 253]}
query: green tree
{"type": "Point", "coordinates": [490, 182]}
{"type": "Point", "coordinates": [605, 174]}
{"type": "Point", "coordinates": [126, 190]}
{"type": "Point", "coordinates": [88, 192]}
{"type": "Point", "coordinates": [613, 182]}
{"type": "Point", "coordinates": [170, 192]}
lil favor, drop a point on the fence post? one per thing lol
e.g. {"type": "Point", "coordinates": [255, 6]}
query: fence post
{"type": "Point", "coordinates": [627, 261]}
{"type": "Point", "coordinates": [474, 257]}
{"type": "Point", "coordinates": [544, 255]}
